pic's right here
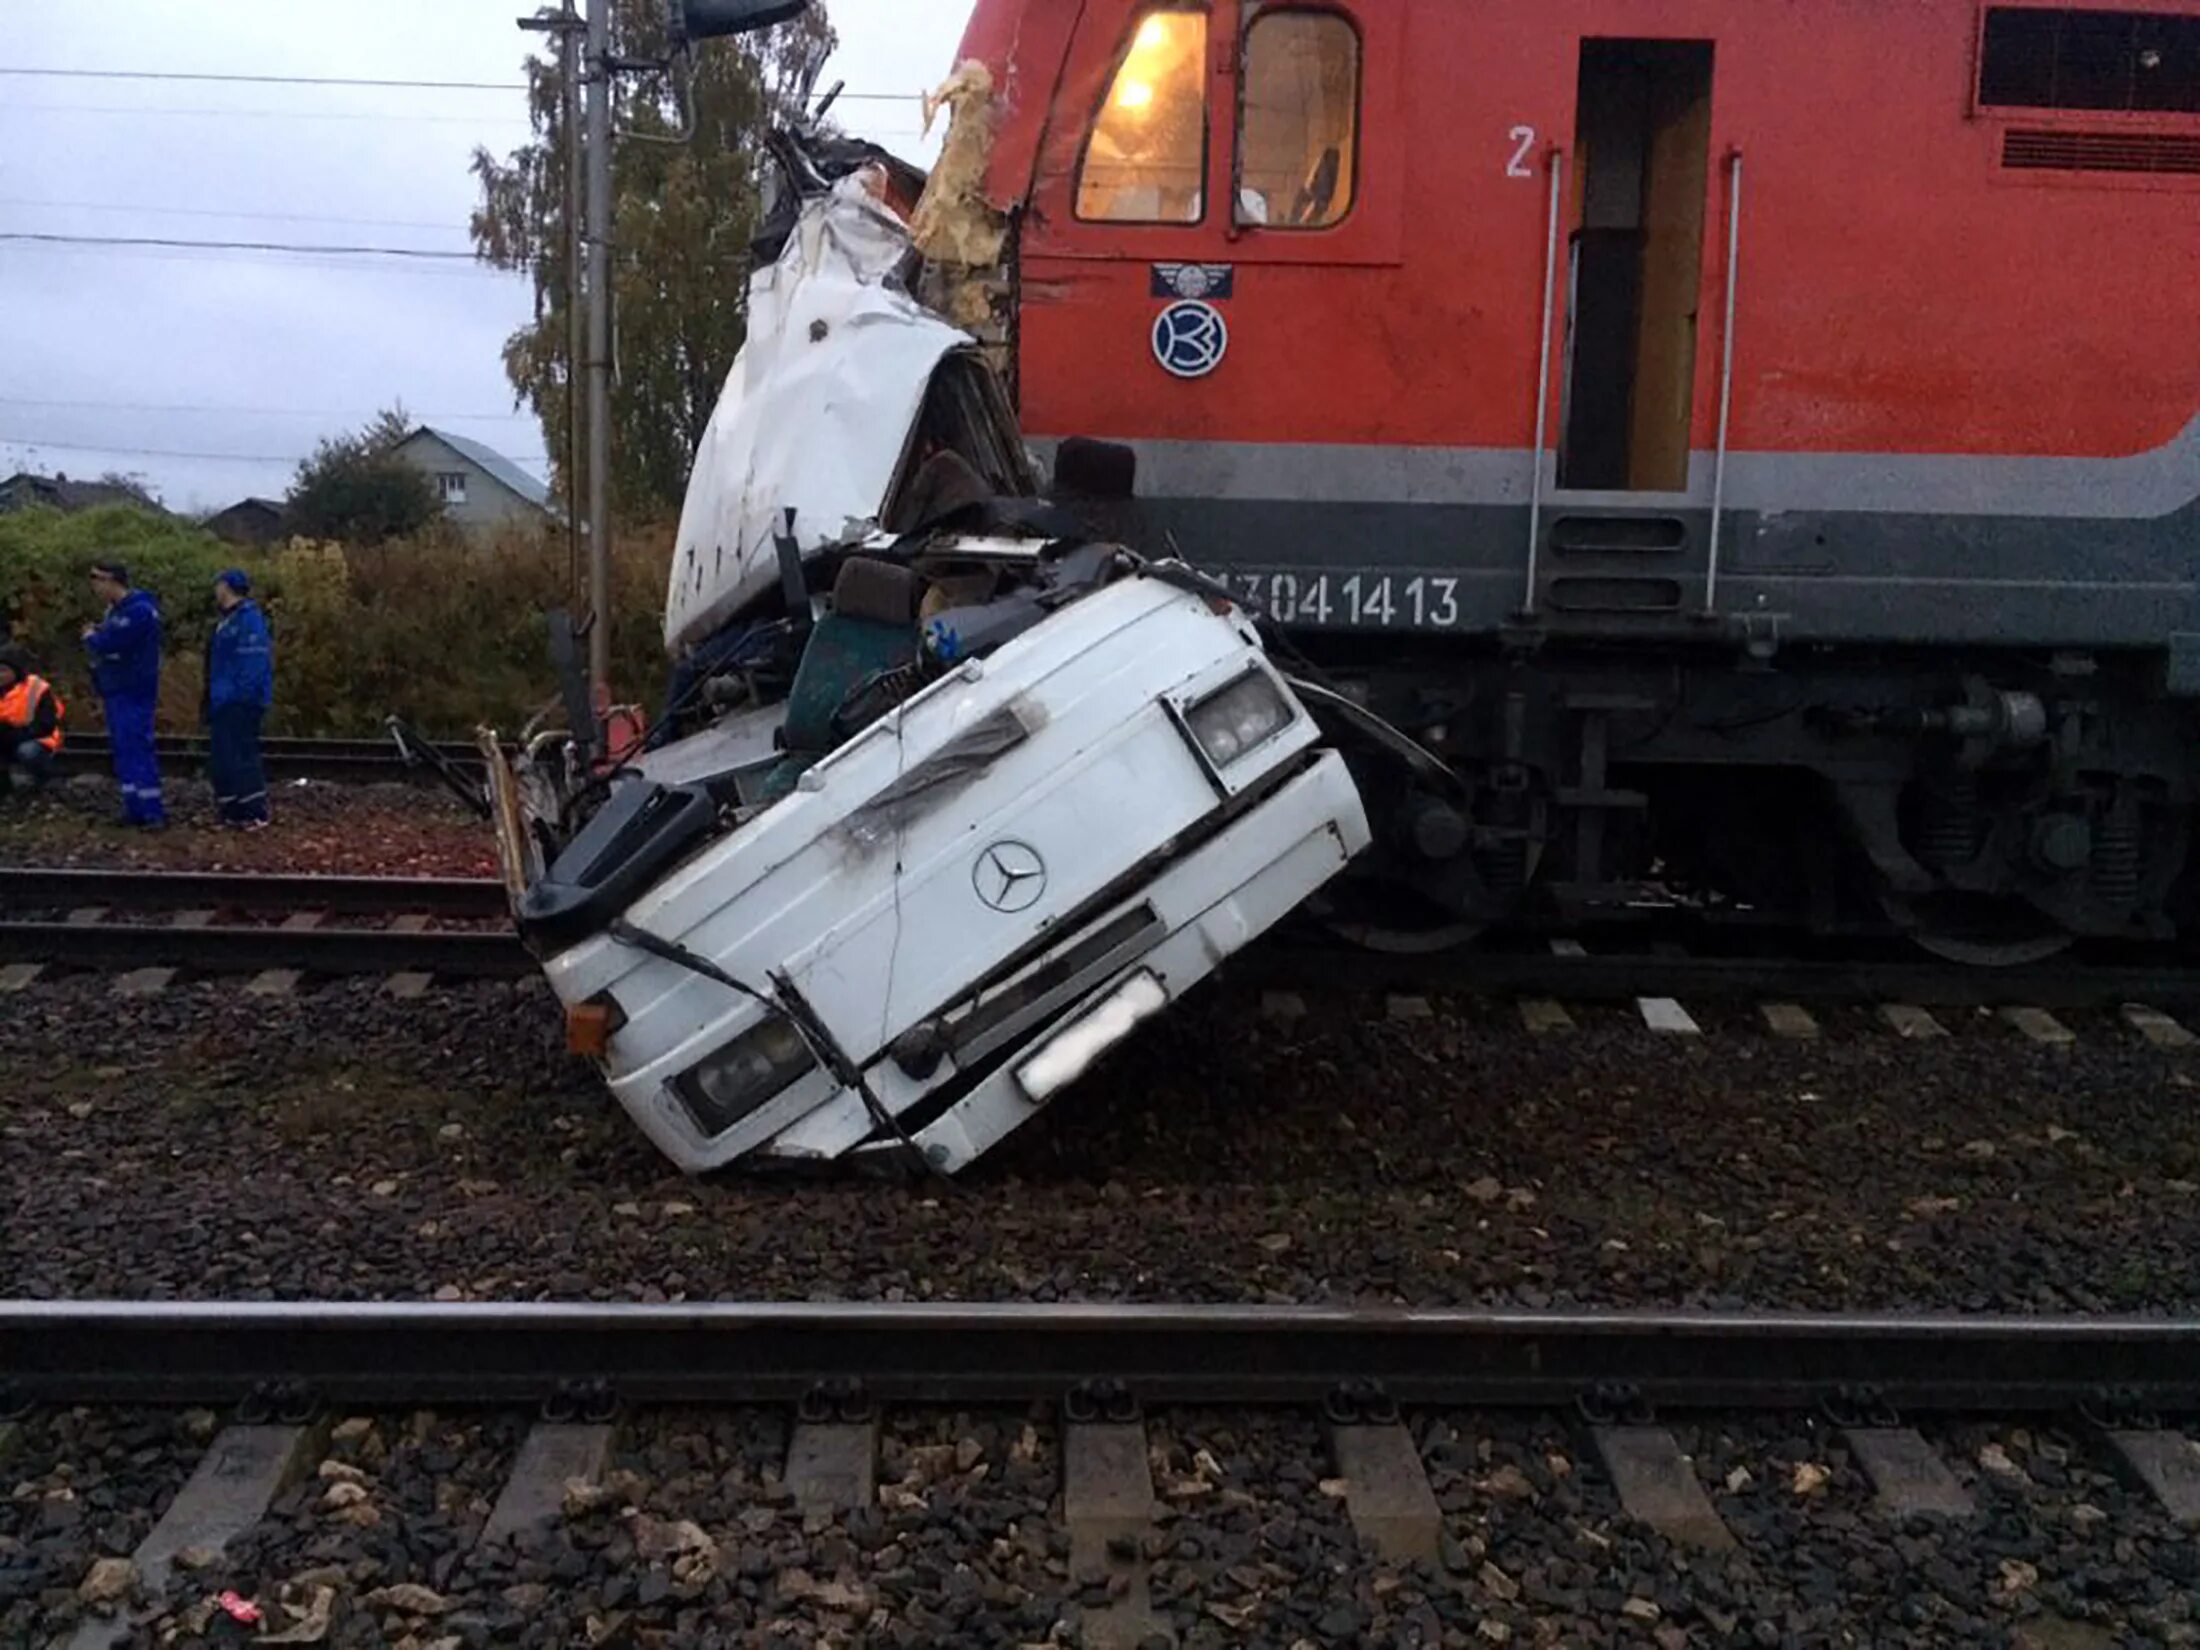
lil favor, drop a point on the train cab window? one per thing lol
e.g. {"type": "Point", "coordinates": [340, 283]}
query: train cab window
{"type": "Point", "coordinates": [1146, 160]}
{"type": "Point", "coordinates": [2063, 58]}
{"type": "Point", "coordinates": [1298, 127]}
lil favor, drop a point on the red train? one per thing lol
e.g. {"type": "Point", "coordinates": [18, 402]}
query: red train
{"type": "Point", "coordinates": [1758, 445]}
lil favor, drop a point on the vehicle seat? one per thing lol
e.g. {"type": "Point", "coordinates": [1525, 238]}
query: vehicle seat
{"type": "Point", "coordinates": [945, 483]}
{"type": "Point", "coordinates": [871, 630]}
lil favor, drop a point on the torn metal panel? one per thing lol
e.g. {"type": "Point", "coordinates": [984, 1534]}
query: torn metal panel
{"type": "Point", "coordinates": [1383, 735]}
{"type": "Point", "coordinates": [962, 235]}
{"type": "Point", "coordinates": [1025, 47]}
{"type": "Point", "coordinates": [817, 412]}
{"type": "Point", "coordinates": [744, 739]}
{"type": "Point", "coordinates": [515, 848]}
{"type": "Point", "coordinates": [954, 223]}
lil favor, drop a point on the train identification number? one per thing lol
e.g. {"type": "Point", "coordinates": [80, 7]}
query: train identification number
{"type": "Point", "coordinates": [1349, 601]}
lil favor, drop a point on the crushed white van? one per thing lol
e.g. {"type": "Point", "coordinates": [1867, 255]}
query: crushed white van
{"type": "Point", "coordinates": [954, 793]}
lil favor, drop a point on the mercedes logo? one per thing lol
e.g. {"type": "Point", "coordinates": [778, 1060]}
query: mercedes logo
{"type": "Point", "coordinates": [1010, 877]}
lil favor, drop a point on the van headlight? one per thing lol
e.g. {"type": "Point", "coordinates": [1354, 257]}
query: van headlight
{"type": "Point", "coordinates": [755, 1067]}
{"type": "Point", "coordinates": [1239, 718]}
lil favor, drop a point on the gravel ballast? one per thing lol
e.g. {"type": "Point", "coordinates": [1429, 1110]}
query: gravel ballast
{"type": "Point", "coordinates": [692, 1539]}
{"type": "Point", "coordinates": [347, 830]}
{"type": "Point", "coordinates": [79, 1489]}
{"type": "Point", "coordinates": [204, 1144]}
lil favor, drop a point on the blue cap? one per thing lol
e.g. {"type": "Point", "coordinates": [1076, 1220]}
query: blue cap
{"type": "Point", "coordinates": [235, 578]}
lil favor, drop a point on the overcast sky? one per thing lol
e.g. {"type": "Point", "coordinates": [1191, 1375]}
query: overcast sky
{"type": "Point", "coordinates": [151, 359]}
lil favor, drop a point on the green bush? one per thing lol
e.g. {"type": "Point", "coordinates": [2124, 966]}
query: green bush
{"type": "Point", "coordinates": [358, 489]}
{"type": "Point", "coordinates": [448, 632]}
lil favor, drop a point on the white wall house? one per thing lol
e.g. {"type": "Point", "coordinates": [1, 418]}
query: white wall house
{"type": "Point", "coordinates": [479, 486]}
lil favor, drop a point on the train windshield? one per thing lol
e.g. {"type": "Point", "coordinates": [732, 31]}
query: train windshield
{"type": "Point", "coordinates": [1146, 161]}
{"type": "Point", "coordinates": [1300, 120]}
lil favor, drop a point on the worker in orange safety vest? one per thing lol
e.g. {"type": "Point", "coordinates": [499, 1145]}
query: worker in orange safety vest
{"type": "Point", "coordinates": [30, 721]}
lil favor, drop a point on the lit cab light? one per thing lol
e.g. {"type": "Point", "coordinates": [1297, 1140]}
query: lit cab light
{"type": "Point", "coordinates": [1134, 94]}
{"type": "Point", "coordinates": [1153, 34]}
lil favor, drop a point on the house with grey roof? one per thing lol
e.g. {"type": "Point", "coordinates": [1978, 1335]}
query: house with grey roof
{"type": "Point", "coordinates": [250, 521]}
{"type": "Point", "coordinates": [478, 485]}
{"type": "Point", "coordinates": [25, 491]}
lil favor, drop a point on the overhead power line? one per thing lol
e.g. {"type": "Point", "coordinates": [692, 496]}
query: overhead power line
{"type": "Point", "coordinates": [173, 452]}
{"type": "Point", "coordinates": [45, 239]}
{"type": "Point", "coordinates": [411, 269]}
{"type": "Point", "coordinates": [381, 117]}
{"type": "Point", "coordinates": [226, 212]}
{"type": "Point", "coordinates": [147, 452]}
{"type": "Point", "coordinates": [269, 79]}
{"type": "Point", "coordinates": [351, 80]}
{"type": "Point", "coordinates": [510, 118]}
{"type": "Point", "coordinates": [257, 412]}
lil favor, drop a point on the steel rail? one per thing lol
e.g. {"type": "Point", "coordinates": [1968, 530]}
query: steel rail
{"type": "Point", "coordinates": [34, 886]}
{"type": "Point", "coordinates": [359, 760]}
{"type": "Point", "coordinates": [1625, 976]}
{"type": "Point", "coordinates": [459, 954]}
{"type": "Point", "coordinates": [218, 1352]}
{"type": "Point", "coordinates": [191, 743]}
{"type": "Point", "coordinates": [1596, 978]}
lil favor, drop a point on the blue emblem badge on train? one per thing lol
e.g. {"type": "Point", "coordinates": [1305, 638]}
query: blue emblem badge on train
{"type": "Point", "coordinates": [1190, 339]}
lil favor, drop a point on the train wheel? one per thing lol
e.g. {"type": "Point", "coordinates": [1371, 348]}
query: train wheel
{"type": "Point", "coordinates": [1394, 926]}
{"type": "Point", "coordinates": [1407, 942]}
{"type": "Point", "coordinates": [1978, 930]}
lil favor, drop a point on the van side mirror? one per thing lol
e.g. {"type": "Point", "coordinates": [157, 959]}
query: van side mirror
{"type": "Point", "coordinates": [694, 20]}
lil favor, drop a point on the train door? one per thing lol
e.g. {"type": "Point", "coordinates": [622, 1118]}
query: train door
{"type": "Point", "coordinates": [1218, 199]}
{"type": "Point", "coordinates": [1643, 148]}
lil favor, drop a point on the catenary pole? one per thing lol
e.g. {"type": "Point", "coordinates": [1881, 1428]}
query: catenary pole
{"type": "Point", "coordinates": [569, 96]}
{"type": "Point", "coordinates": [598, 189]}
{"type": "Point", "coordinates": [566, 23]}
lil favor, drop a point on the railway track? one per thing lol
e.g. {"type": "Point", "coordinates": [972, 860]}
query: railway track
{"type": "Point", "coordinates": [347, 761]}
{"type": "Point", "coordinates": [1124, 1440]}
{"type": "Point", "coordinates": [225, 1352]}
{"type": "Point", "coordinates": [67, 887]}
{"type": "Point", "coordinates": [278, 929]}
{"type": "Point", "coordinates": [230, 923]}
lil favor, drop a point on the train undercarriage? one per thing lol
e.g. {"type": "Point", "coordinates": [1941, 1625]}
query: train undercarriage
{"type": "Point", "coordinates": [1994, 814]}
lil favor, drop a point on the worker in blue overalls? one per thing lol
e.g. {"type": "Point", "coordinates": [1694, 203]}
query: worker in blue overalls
{"type": "Point", "coordinates": [125, 650]}
{"type": "Point", "coordinates": [240, 685]}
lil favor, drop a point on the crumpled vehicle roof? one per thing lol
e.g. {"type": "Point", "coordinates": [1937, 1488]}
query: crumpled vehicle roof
{"type": "Point", "coordinates": [816, 414]}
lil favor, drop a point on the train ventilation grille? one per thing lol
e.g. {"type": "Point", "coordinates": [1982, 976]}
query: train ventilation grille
{"type": "Point", "coordinates": [2145, 153]}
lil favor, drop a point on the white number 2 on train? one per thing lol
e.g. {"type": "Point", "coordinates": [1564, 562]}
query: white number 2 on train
{"type": "Point", "coordinates": [1518, 166]}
